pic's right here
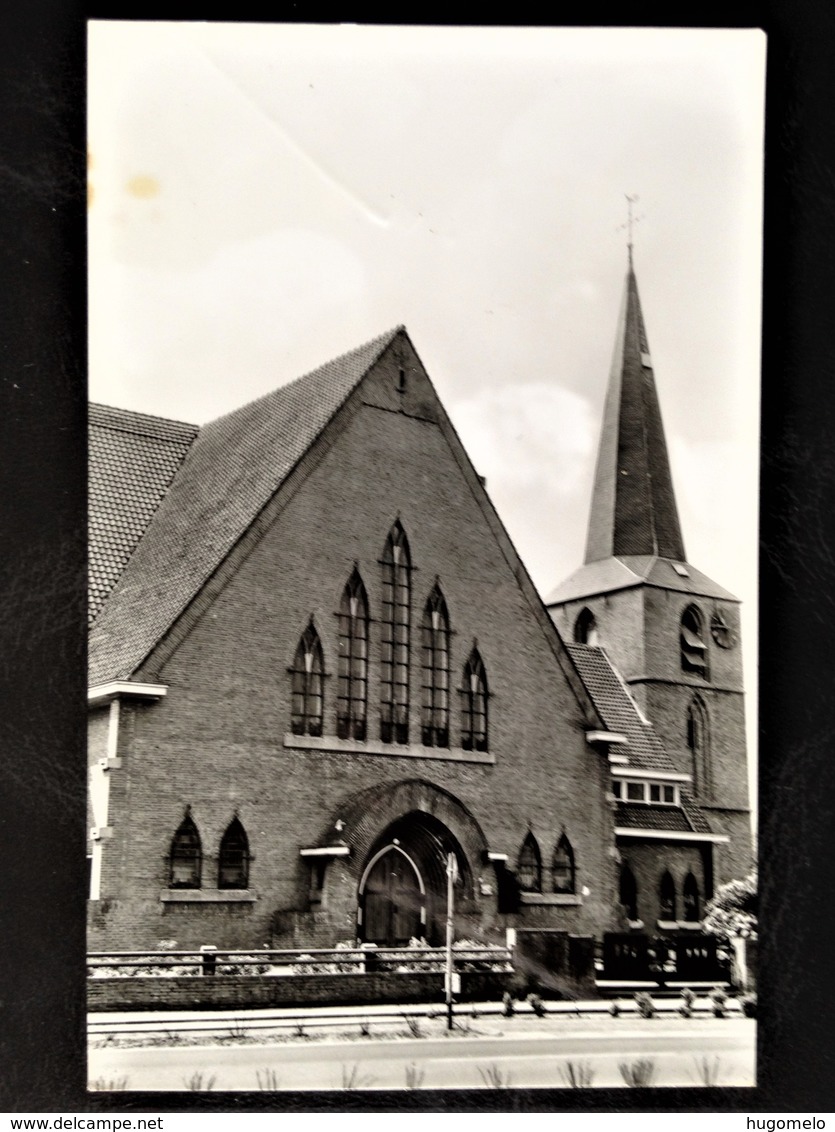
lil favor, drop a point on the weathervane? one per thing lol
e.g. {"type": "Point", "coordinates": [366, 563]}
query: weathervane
{"type": "Point", "coordinates": [631, 221]}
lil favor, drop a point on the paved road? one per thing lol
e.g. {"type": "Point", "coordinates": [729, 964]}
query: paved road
{"type": "Point", "coordinates": [455, 1062]}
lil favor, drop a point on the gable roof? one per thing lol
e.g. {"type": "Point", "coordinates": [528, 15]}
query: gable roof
{"type": "Point", "coordinates": [133, 458]}
{"type": "Point", "coordinates": [232, 469]}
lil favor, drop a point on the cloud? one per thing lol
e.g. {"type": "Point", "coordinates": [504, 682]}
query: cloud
{"type": "Point", "coordinates": [529, 435]}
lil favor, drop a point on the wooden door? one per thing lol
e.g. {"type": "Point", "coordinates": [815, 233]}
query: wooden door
{"type": "Point", "coordinates": [393, 901]}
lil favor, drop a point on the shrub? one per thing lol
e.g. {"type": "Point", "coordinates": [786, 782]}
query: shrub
{"type": "Point", "coordinates": [688, 997]}
{"type": "Point", "coordinates": [414, 1025]}
{"type": "Point", "coordinates": [537, 1005]}
{"type": "Point", "coordinates": [748, 1002]}
{"type": "Point", "coordinates": [508, 1008]}
{"type": "Point", "coordinates": [646, 1007]}
{"type": "Point", "coordinates": [707, 1070]}
{"type": "Point", "coordinates": [197, 1083]}
{"type": "Point", "coordinates": [614, 1010]}
{"type": "Point", "coordinates": [352, 1079]}
{"type": "Point", "coordinates": [719, 999]}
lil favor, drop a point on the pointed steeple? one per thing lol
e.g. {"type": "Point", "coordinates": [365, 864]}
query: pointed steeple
{"type": "Point", "coordinates": [633, 510]}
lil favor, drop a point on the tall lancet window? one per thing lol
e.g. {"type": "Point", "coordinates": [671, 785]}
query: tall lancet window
{"type": "Point", "coordinates": [474, 705]}
{"type": "Point", "coordinates": [667, 897]}
{"type": "Point", "coordinates": [435, 689]}
{"type": "Point", "coordinates": [529, 866]}
{"type": "Point", "coordinates": [233, 858]}
{"type": "Point", "coordinates": [563, 869]}
{"type": "Point", "coordinates": [693, 647]}
{"type": "Point", "coordinates": [352, 694]}
{"type": "Point", "coordinates": [698, 740]}
{"type": "Point", "coordinates": [186, 856]}
{"type": "Point", "coordinates": [394, 668]}
{"type": "Point", "coordinates": [307, 684]}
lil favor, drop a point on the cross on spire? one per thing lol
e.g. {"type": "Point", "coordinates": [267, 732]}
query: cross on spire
{"type": "Point", "coordinates": [631, 221]}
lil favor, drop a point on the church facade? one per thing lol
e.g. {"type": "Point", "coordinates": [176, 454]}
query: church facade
{"type": "Point", "coordinates": [318, 668]}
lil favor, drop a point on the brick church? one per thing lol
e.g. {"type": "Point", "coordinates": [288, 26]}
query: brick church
{"type": "Point", "coordinates": [318, 667]}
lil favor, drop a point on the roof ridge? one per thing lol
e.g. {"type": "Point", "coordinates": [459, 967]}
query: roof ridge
{"type": "Point", "coordinates": [381, 340]}
{"type": "Point", "coordinates": [114, 424]}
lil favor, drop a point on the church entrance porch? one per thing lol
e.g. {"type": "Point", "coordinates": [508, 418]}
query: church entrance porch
{"type": "Point", "coordinates": [402, 889]}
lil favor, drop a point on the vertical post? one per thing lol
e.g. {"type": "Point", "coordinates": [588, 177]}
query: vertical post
{"type": "Point", "coordinates": [450, 877]}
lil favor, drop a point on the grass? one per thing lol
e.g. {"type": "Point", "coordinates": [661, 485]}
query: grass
{"type": "Point", "coordinates": [197, 1083]}
{"type": "Point", "coordinates": [414, 1076]}
{"type": "Point", "coordinates": [352, 1079]}
{"type": "Point", "coordinates": [267, 1080]}
{"type": "Point", "coordinates": [494, 1077]}
{"type": "Point", "coordinates": [105, 1085]}
{"type": "Point", "coordinates": [707, 1070]}
{"type": "Point", "coordinates": [577, 1074]}
{"type": "Point", "coordinates": [638, 1074]}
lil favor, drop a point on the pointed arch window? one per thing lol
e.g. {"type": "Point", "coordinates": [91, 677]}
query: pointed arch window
{"type": "Point", "coordinates": [529, 866]}
{"type": "Point", "coordinates": [233, 858]}
{"type": "Point", "coordinates": [692, 641]}
{"type": "Point", "coordinates": [628, 892]}
{"type": "Point", "coordinates": [563, 869]}
{"type": "Point", "coordinates": [667, 897]}
{"type": "Point", "coordinates": [691, 898]}
{"type": "Point", "coordinates": [307, 676]}
{"type": "Point", "coordinates": [474, 704]}
{"type": "Point", "coordinates": [435, 671]}
{"type": "Point", "coordinates": [585, 628]}
{"type": "Point", "coordinates": [395, 644]}
{"type": "Point", "coordinates": [352, 692]}
{"type": "Point", "coordinates": [185, 858]}
{"type": "Point", "coordinates": [698, 740]}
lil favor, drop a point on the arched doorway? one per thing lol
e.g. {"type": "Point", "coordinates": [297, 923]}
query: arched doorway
{"type": "Point", "coordinates": [402, 889]}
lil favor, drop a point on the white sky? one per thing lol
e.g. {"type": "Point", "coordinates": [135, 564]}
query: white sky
{"type": "Point", "coordinates": [265, 197]}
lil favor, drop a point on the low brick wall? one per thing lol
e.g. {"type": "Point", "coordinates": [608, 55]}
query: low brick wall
{"type": "Point", "coordinates": [220, 991]}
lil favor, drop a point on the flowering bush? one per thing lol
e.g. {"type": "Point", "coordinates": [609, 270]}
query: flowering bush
{"type": "Point", "coordinates": [733, 910]}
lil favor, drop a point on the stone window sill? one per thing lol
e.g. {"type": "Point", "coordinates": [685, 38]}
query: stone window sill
{"type": "Point", "coordinates": [569, 898]}
{"type": "Point", "coordinates": [207, 896]}
{"type": "Point", "coordinates": [388, 750]}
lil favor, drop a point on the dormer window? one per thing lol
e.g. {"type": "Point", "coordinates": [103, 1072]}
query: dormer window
{"type": "Point", "coordinates": [645, 791]}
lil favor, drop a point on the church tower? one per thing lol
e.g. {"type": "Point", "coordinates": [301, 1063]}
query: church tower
{"type": "Point", "coordinates": [672, 633]}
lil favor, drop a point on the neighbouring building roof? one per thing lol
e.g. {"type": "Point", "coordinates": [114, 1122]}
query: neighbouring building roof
{"type": "Point", "coordinates": [233, 466]}
{"type": "Point", "coordinates": [633, 503]}
{"type": "Point", "coordinates": [644, 748]}
{"type": "Point", "coordinates": [133, 459]}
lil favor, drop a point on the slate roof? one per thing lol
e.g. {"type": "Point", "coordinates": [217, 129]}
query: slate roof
{"type": "Point", "coordinates": [133, 458]}
{"type": "Point", "coordinates": [639, 815]}
{"type": "Point", "coordinates": [619, 573]}
{"type": "Point", "coordinates": [633, 502]}
{"type": "Point", "coordinates": [232, 469]}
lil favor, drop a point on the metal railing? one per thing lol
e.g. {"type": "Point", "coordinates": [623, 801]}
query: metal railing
{"type": "Point", "coordinates": [211, 961]}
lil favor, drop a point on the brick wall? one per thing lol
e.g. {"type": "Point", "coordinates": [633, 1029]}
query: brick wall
{"type": "Point", "coordinates": [244, 992]}
{"type": "Point", "coordinates": [216, 743]}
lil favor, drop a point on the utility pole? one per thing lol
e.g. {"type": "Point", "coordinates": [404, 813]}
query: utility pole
{"type": "Point", "coordinates": [451, 873]}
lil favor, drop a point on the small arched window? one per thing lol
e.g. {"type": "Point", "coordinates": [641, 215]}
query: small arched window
{"type": "Point", "coordinates": [308, 684]}
{"type": "Point", "coordinates": [628, 892]}
{"type": "Point", "coordinates": [691, 898]}
{"type": "Point", "coordinates": [186, 857]}
{"type": "Point", "coordinates": [667, 897]}
{"type": "Point", "coordinates": [698, 740]}
{"type": "Point", "coordinates": [394, 637]}
{"type": "Point", "coordinates": [474, 704]}
{"type": "Point", "coordinates": [529, 867]}
{"type": "Point", "coordinates": [692, 642]}
{"type": "Point", "coordinates": [563, 869]}
{"type": "Point", "coordinates": [585, 628]}
{"type": "Point", "coordinates": [233, 858]}
{"type": "Point", "coordinates": [352, 696]}
{"type": "Point", "coordinates": [435, 689]}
